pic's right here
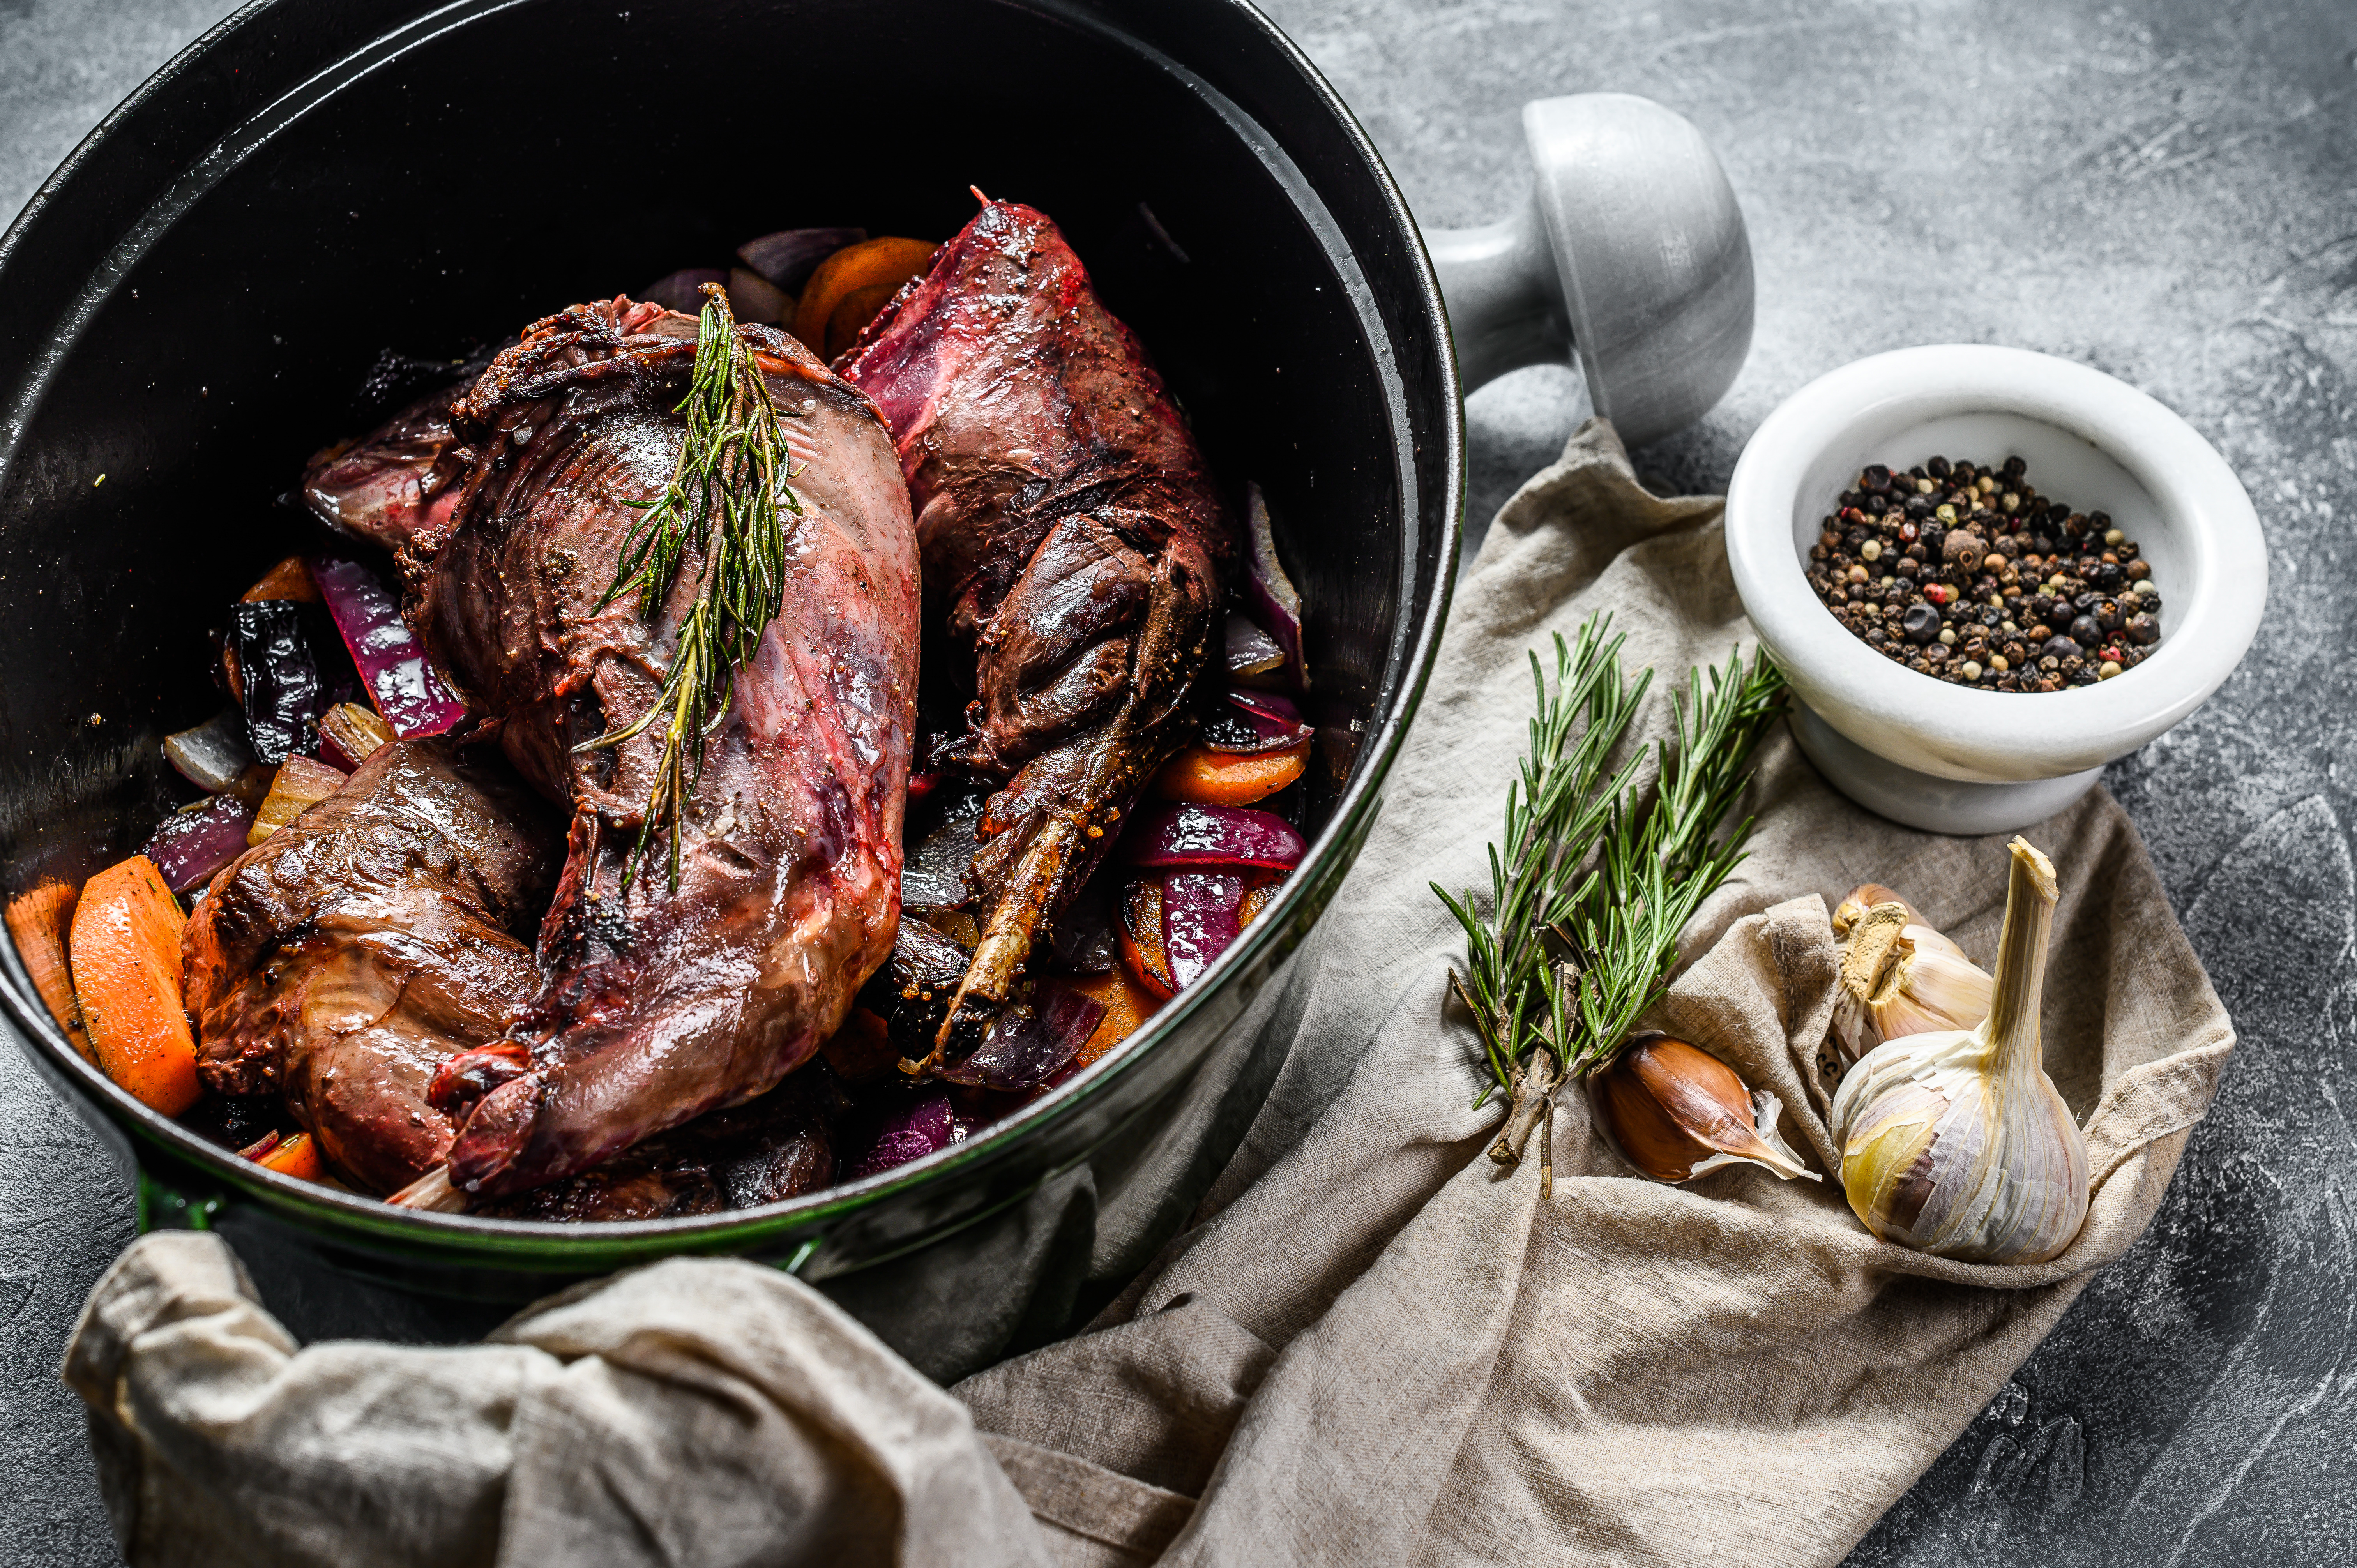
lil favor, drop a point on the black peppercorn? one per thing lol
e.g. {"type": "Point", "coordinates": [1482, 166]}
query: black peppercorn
{"type": "Point", "coordinates": [1974, 555]}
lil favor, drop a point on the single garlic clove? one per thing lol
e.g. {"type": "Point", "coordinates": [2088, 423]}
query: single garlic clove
{"type": "Point", "coordinates": [1930, 985]}
{"type": "Point", "coordinates": [1955, 1141]}
{"type": "Point", "coordinates": [1676, 1112]}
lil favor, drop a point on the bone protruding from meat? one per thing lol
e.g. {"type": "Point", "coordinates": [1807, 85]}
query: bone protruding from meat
{"type": "Point", "coordinates": [1075, 547]}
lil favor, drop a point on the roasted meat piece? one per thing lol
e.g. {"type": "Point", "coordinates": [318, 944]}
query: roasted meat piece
{"type": "Point", "coordinates": [659, 1002]}
{"type": "Point", "coordinates": [343, 958]}
{"type": "Point", "coordinates": [1075, 547]}
{"type": "Point", "coordinates": [393, 482]}
{"type": "Point", "coordinates": [778, 1146]}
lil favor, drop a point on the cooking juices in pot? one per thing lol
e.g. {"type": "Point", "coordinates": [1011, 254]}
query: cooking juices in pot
{"type": "Point", "coordinates": [565, 879]}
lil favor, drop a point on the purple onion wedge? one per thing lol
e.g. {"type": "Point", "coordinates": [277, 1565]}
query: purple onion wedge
{"type": "Point", "coordinates": [1202, 913]}
{"type": "Point", "coordinates": [1245, 728]}
{"type": "Point", "coordinates": [1271, 598]}
{"type": "Point", "coordinates": [1252, 654]}
{"type": "Point", "coordinates": [683, 291]}
{"type": "Point", "coordinates": [911, 1131]}
{"type": "Point", "coordinates": [787, 259]}
{"type": "Point", "coordinates": [189, 846]}
{"type": "Point", "coordinates": [392, 663]}
{"type": "Point", "coordinates": [215, 755]}
{"type": "Point", "coordinates": [1028, 1045]}
{"type": "Point", "coordinates": [1191, 837]}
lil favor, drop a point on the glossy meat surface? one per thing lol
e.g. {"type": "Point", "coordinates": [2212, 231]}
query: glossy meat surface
{"type": "Point", "coordinates": [393, 482]}
{"type": "Point", "coordinates": [1075, 547]}
{"type": "Point", "coordinates": [657, 1004]}
{"type": "Point", "coordinates": [341, 960]}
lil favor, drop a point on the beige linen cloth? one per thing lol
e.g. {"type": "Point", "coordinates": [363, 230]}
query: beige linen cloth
{"type": "Point", "coordinates": [1373, 1346]}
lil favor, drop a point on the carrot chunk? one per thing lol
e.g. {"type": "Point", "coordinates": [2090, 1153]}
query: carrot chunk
{"type": "Point", "coordinates": [1140, 930]}
{"type": "Point", "coordinates": [290, 579]}
{"type": "Point", "coordinates": [1127, 1006]}
{"type": "Point", "coordinates": [39, 920]}
{"type": "Point", "coordinates": [1209, 778]}
{"type": "Point", "coordinates": [298, 1155]}
{"type": "Point", "coordinates": [874, 269]}
{"type": "Point", "coordinates": [126, 975]}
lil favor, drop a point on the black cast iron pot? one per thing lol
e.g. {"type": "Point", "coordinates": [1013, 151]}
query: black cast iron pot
{"type": "Point", "coordinates": [191, 303]}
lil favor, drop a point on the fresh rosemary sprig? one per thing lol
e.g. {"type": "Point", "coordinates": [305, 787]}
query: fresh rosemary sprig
{"type": "Point", "coordinates": [723, 502]}
{"type": "Point", "coordinates": [1599, 877]}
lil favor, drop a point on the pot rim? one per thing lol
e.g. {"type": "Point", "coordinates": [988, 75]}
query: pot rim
{"type": "Point", "coordinates": [556, 1246]}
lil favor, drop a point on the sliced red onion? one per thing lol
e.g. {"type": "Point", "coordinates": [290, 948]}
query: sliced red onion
{"type": "Point", "coordinates": [911, 1131]}
{"type": "Point", "coordinates": [683, 291]}
{"type": "Point", "coordinates": [1026, 1045]}
{"type": "Point", "coordinates": [1275, 704]}
{"type": "Point", "coordinates": [215, 755]}
{"type": "Point", "coordinates": [1246, 729]}
{"type": "Point", "coordinates": [392, 665]}
{"type": "Point", "coordinates": [787, 259]}
{"type": "Point", "coordinates": [1202, 913]}
{"type": "Point", "coordinates": [189, 846]}
{"type": "Point", "coordinates": [1252, 652]}
{"type": "Point", "coordinates": [1271, 596]}
{"type": "Point", "coordinates": [1192, 835]}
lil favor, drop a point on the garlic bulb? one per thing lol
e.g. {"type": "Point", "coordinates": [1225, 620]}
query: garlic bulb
{"type": "Point", "coordinates": [1862, 898]}
{"type": "Point", "coordinates": [1900, 977]}
{"type": "Point", "coordinates": [1956, 1143]}
{"type": "Point", "coordinates": [1677, 1112]}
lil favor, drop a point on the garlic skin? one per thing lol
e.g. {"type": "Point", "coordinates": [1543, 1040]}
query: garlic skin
{"type": "Point", "coordinates": [1955, 1143]}
{"type": "Point", "coordinates": [1677, 1112]}
{"type": "Point", "coordinates": [1902, 977]}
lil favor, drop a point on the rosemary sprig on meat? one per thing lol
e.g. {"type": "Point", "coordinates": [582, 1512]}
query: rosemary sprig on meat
{"type": "Point", "coordinates": [1599, 876]}
{"type": "Point", "coordinates": [723, 502]}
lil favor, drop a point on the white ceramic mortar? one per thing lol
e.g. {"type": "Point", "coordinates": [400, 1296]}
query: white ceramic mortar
{"type": "Point", "coordinates": [1953, 758]}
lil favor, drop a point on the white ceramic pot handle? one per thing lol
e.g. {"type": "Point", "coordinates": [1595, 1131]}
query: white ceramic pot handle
{"type": "Point", "coordinates": [1631, 252]}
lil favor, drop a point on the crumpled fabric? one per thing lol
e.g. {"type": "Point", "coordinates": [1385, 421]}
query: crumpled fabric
{"type": "Point", "coordinates": [1373, 1345]}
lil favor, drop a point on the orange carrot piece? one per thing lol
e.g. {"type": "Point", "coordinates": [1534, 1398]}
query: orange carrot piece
{"type": "Point", "coordinates": [1260, 888]}
{"type": "Point", "coordinates": [1127, 1006]}
{"type": "Point", "coordinates": [39, 920]}
{"type": "Point", "coordinates": [290, 579]}
{"type": "Point", "coordinates": [1209, 778]}
{"type": "Point", "coordinates": [885, 263]}
{"type": "Point", "coordinates": [300, 783]}
{"type": "Point", "coordinates": [1140, 930]}
{"type": "Point", "coordinates": [126, 975]}
{"type": "Point", "coordinates": [297, 1156]}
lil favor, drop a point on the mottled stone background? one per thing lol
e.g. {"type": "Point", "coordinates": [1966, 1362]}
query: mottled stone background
{"type": "Point", "coordinates": [2167, 191]}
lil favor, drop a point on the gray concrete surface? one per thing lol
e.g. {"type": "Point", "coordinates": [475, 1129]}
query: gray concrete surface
{"type": "Point", "coordinates": [2166, 192]}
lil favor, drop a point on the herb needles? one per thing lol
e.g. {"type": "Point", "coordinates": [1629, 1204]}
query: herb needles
{"type": "Point", "coordinates": [723, 502]}
{"type": "Point", "coordinates": [1599, 875]}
